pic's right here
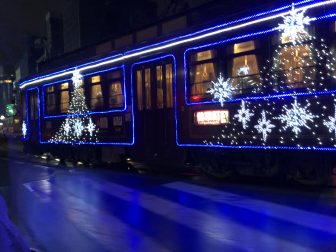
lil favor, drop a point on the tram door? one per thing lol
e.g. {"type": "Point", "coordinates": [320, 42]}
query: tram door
{"type": "Point", "coordinates": [154, 105]}
{"type": "Point", "coordinates": [33, 115]}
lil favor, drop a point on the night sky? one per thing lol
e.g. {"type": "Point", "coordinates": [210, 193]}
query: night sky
{"type": "Point", "coordinates": [20, 19]}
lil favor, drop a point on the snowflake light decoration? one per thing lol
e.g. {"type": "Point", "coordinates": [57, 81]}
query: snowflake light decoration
{"type": "Point", "coordinates": [91, 127]}
{"type": "Point", "coordinates": [67, 127]}
{"type": "Point", "coordinates": [222, 90]}
{"type": "Point", "coordinates": [78, 128]}
{"type": "Point", "coordinates": [331, 124]}
{"type": "Point", "coordinates": [296, 117]}
{"type": "Point", "coordinates": [76, 78]}
{"type": "Point", "coordinates": [24, 130]}
{"type": "Point", "coordinates": [293, 25]}
{"type": "Point", "coordinates": [244, 115]}
{"type": "Point", "coordinates": [264, 126]}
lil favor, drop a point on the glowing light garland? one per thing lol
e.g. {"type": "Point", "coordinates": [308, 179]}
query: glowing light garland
{"type": "Point", "coordinates": [331, 123]}
{"type": "Point", "coordinates": [244, 115]}
{"type": "Point", "coordinates": [222, 89]}
{"type": "Point", "coordinates": [206, 33]}
{"type": "Point", "coordinates": [24, 129]}
{"type": "Point", "coordinates": [264, 126]}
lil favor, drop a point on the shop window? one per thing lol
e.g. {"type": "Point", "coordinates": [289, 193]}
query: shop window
{"type": "Point", "coordinates": [201, 73]}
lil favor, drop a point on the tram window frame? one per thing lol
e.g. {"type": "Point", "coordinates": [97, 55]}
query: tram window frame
{"type": "Point", "coordinates": [64, 88]}
{"type": "Point", "coordinates": [115, 78]}
{"type": "Point", "coordinates": [50, 91]}
{"type": "Point", "coordinates": [169, 85]}
{"type": "Point", "coordinates": [242, 80]}
{"type": "Point", "coordinates": [96, 95]}
{"type": "Point", "coordinates": [202, 85]}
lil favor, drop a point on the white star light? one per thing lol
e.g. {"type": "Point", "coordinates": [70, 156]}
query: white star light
{"type": "Point", "coordinates": [76, 78]}
{"type": "Point", "coordinates": [264, 126]}
{"type": "Point", "coordinates": [293, 25]}
{"type": "Point", "coordinates": [331, 124]}
{"type": "Point", "coordinates": [244, 70]}
{"type": "Point", "coordinates": [91, 127]}
{"type": "Point", "coordinates": [24, 130]}
{"type": "Point", "coordinates": [296, 117]}
{"type": "Point", "coordinates": [78, 127]}
{"type": "Point", "coordinates": [222, 90]}
{"type": "Point", "coordinates": [243, 115]}
{"type": "Point", "coordinates": [67, 127]}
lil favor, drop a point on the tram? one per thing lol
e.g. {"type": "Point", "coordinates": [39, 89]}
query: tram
{"type": "Point", "coordinates": [254, 94]}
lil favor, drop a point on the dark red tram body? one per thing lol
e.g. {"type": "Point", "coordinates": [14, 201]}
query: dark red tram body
{"type": "Point", "coordinates": [152, 103]}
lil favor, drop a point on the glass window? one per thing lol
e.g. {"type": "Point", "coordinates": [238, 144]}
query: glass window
{"type": "Point", "coordinates": [201, 73]}
{"type": "Point", "coordinates": [296, 65]}
{"type": "Point", "coordinates": [159, 87]}
{"type": "Point", "coordinates": [169, 85]}
{"type": "Point", "coordinates": [116, 97]}
{"type": "Point", "coordinates": [245, 72]}
{"type": "Point", "coordinates": [95, 79]}
{"type": "Point", "coordinates": [64, 86]}
{"type": "Point", "coordinates": [148, 88]}
{"type": "Point", "coordinates": [51, 100]}
{"type": "Point", "coordinates": [244, 47]}
{"type": "Point", "coordinates": [96, 97]}
{"type": "Point", "coordinates": [64, 98]}
{"type": "Point", "coordinates": [139, 90]}
{"type": "Point", "coordinates": [33, 106]}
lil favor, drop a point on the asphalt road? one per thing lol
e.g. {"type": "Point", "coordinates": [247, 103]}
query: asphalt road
{"type": "Point", "coordinates": [80, 209]}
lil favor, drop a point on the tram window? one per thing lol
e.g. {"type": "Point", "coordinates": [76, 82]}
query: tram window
{"type": "Point", "coordinates": [202, 72]}
{"type": "Point", "coordinates": [51, 102]}
{"type": "Point", "coordinates": [139, 90]}
{"type": "Point", "coordinates": [148, 88]}
{"type": "Point", "coordinates": [33, 106]}
{"type": "Point", "coordinates": [296, 65]}
{"type": "Point", "coordinates": [96, 93]}
{"type": "Point", "coordinates": [159, 87]}
{"type": "Point", "coordinates": [64, 97]}
{"type": "Point", "coordinates": [116, 98]}
{"type": "Point", "coordinates": [169, 86]}
{"type": "Point", "coordinates": [245, 71]}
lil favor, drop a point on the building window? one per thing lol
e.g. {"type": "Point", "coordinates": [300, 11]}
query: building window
{"type": "Point", "coordinates": [51, 101]}
{"type": "Point", "coordinates": [96, 93]}
{"type": "Point", "coordinates": [201, 73]}
{"type": "Point", "coordinates": [245, 70]}
{"type": "Point", "coordinates": [296, 65]}
{"type": "Point", "coordinates": [169, 86]}
{"type": "Point", "coordinates": [64, 97]}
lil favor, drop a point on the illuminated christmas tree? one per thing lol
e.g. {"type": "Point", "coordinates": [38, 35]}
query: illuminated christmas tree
{"type": "Point", "coordinates": [78, 127]}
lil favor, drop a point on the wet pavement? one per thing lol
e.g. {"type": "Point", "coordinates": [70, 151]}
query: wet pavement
{"type": "Point", "coordinates": [78, 209]}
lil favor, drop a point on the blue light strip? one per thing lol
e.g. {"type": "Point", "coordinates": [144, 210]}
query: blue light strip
{"type": "Point", "coordinates": [152, 60]}
{"type": "Point", "coordinates": [186, 84]}
{"type": "Point", "coordinates": [212, 31]}
{"type": "Point", "coordinates": [91, 112]}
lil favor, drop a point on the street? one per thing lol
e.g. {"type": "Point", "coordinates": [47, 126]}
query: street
{"type": "Point", "coordinates": [90, 209]}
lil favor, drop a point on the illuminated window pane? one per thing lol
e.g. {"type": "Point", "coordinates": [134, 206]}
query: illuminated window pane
{"type": "Point", "coordinates": [169, 85]}
{"type": "Point", "coordinates": [245, 72]}
{"type": "Point", "coordinates": [159, 87]}
{"type": "Point", "coordinates": [51, 103]}
{"type": "Point", "coordinates": [139, 90]}
{"type": "Point", "coordinates": [205, 55]}
{"type": "Point", "coordinates": [243, 47]}
{"type": "Point", "coordinates": [201, 76]}
{"type": "Point", "coordinates": [65, 85]}
{"type": "Point", "coordinates": [148, 88]}
{"type": "Point", "coordinates": [116, 98]}
{"type": "Point", "coordinates": [297, 65]}
{"type": "Point", "coordinates": [96, 97]}
{"type": "Point", "coordinates": [95, 79]}
{"type": "Point", "coordinates": [64, 104]}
